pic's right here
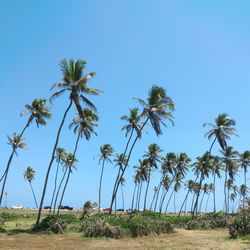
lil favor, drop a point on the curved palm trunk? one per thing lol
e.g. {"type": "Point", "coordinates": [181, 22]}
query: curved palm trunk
{"type": "Point", "coordinates": [146, 192]}
{"type": "Point", "coordinates": [202, 198]}
{"type": "Point", "coordinates": [133, 198]}
{"type": "Point", "coordinates": [157, 193]}
{"type": "Point", "coordinates": [185, 199]}
{"type": "Point", "coordinates": [126, 165]}
{"type": "Point", "coordinates": [55, 186]}
{"type": "Point", "coordinates": [225, 192]}
{"type": "Point", "coordinates": [120, 167]}
{"type": "Point", "coordinates": [33, 193]}
{"type": "Point", "coordinates": [195, 209]}
{"type": "Point", "coordinates": [207, 201]}
{"type": "Point", "coordinates": [212, 145]}
{"type": "Point", "coordinates": [245, 180]}
{"type": "Point", "coordinates": [139, 197]}
{"type": "Point", "coordinates": [51, 162]}
{"type": "Point", "coordinates": [122, 198]}
{"type": "Point", "coordinates": [6, 174]}
{"type": "Point", "coordinates": [152, 202]}
{"type": "Point", "coordinates": [164, 197]}
{"type": "Point", "coordinates": [69, 172]}
{"type": "Point", "coordinates": [214, 194]}
{"type": "Point", "coordinates": [100, 188]}
{"type": "Point", "coordinates": [169, 201]}
{"type": "Point", "coordinates": [58, 190]}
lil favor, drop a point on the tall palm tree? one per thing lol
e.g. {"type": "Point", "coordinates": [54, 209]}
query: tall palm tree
{"type": "Point", "coordinates": [244, 161]}
{"type": "Point", "coordinates": [29, 175]}
{"type": "Point", "coordinates": [221, 130]}
{"type": "Point", "coordinates": [189, 185]}
{"type": "Point", "coordinates": [216, 172]}
{"type": "Point", "coordinates": [15, 142]}
{"type": "Point", "coordinates": [157, 109]}
{"type": "Point", "coordinates": [60, 157]}
{"type": "Point", "coordinates": [76, 84]}
{"type": "Point", "coordinates": [37, 111]}
{"type": "Point", "coordinates": [123, 182]}
{"type": "Point", "coordinates": [205, 189]}
{"type": "Point", "coordinates": [202, 168]}
{"type": "Point", "coordinates": [106, 152]}
{"type": "Point", "coordinates": [153, 157]}
{"type": "Point", "coordinates": [70, 164]}
{"type": "Point", "coordinates": [229, 158]}
{"type": "Point", "coordinates": [211, 188]}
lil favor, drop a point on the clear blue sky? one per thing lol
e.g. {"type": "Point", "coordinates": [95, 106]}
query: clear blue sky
{"type": "Point", "coordinates": [198, 50]}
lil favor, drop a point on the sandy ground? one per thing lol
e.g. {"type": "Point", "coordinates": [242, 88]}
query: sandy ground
{"type": "Point", "coordinates": [182, 239]}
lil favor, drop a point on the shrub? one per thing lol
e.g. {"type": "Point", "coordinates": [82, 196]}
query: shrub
{"type": "Point", "coordinates": [8, 216]}
{"type": "Point", "coordinates": [2, 220]}
{"type": "Point", "coordinates": [240, 226]}
{"type": "Point", "coordinates": [98, 227]}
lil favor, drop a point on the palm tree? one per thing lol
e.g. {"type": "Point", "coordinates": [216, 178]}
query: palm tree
{"type": "Point", "coordinates": [216, 168]}
{"type": "Point", "coordinates": [15, 142]}
{"type": "Point", "coordinates": [123, 182]}
{"type": "Point", "coordinates": [29, 175]}
{"type": "Point", "coordinates": [221, 130]}
{"type": "Point", "coordinates": [37, 111]}
{"type": "Point", "coordinates": [153, 157]}
{"type": "Point", "coordinates": [60, 157]}
{"type": "Point", "coordinates": [157, 109]}
{"type": "Point", "coordinates": [244, 163]}
{"type": "Point", "coordinates": [202, 168]}
{"type": "Point", "coordinates": [189, 185]}
{"type": "Point", "coordinates": [211, 188]}
{"type": "Point", "coordinates": [106, 152]}
{"type": "Point", "coordinates": [229, 158]}
{"type": "Point", "coordinates": [70, 163]}
{"type": "Point", "coordinates": [205, 189]}
{"type": "Point", "coordinates": [76, 84]}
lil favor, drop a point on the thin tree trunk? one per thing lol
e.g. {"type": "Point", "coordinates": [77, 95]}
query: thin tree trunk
{"type": "Point", "coordinates": [212, 145]}
{"type": "Point", "coordinates": [139, 198]}
{"type": "Point", "coordinates": [225, 193]}
{"type": "Point", "coordinates": [133, 198]}
{"type": "Point", "coordinates": [201, 201]}
{"type": "Point", "coordinates": [195, 210]}
{"type": "Point", "coordinates": [169, 200]}
{"type": "Point", "coordinates": [6, 174]}
{"type": "Point", "coordinates": [100, 188]}
{"type": "Point", "coordinates": [152, 202]}
{"type": "Point", "coordinates": [126, 165]}
{"type": "Point", "coordinates": [214, 194]}
{"type": "Point", "coordinates": [184, 201]}
{"type": "Point", "coordinates": [55, 186]}
{"type": "Point", "coordinates": [51, 162]}
{"type": "Point", "coordinates": [146, 192]}
{"type": "Point", "coordinates": [244, 195]}
{"type": "Point", "coordinates": [207, 201]}
{"type": "Point", "coordinates": [33, 194]}
{"type": "Point", "coordinates": [122, 199]}
{"type": "Point", "coordinates": [157, 193]}
{"type": "Point", "coordinates": [69, 172]}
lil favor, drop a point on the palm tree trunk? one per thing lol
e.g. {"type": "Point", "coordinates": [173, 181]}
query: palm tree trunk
{"type": "Point", "coordinates": [245, 180]}
{"type": "Point", "coordinates": [55, 186]}
{"type": "Point", "coordinates": [6, 174]}
{"type": "Point", "coordinates": [122, 198]}
{"type": "Point", "coordinates": [133, 198]}
{"type": "Point", "coordinates": [184, 201]}
{"type": "Point", "coordinates": [100, 187]}
{"type": "Point", "coordinates": [69, 172]}
{"type": "Point", "coordinates": [146, 192]}
{"type": "Point", "coordinates": [212, 145]}
{"type": "Point", "coordinates": [169, 200]}
{"type": "Point", "coordinates": [33, 194]}
{"type": "Point", "coordinates": [58, 190]}
{"type": "Point", "coordinates": [152, 202]}
{"type": "Point", "coordinates": [225, 193]}
{"type": "Point", "coordinates": [214, 194]}
{"type": "Point", "coordinates": [207, 201]}
{"type": "Point", "coordinates": [51, 162]}
{"type": "Point", "coordinates": [201, 201]}
{"type": "Point", "coordinates": [195, 210]}
{"type": "Point", "coordinates": [139, 197]}
{"type": "Point", "coordinates": [126, 165]}
{"type": "Point", "coordinates": [157, 193]}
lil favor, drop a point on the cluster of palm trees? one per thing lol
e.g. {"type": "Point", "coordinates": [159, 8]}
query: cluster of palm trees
{"type": "Point", "coordinates": [156, 111]}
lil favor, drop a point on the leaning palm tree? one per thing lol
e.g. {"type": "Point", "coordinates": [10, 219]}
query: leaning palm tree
{"type": "Point", "coordinates": [229, 158]}
{"type": "Point", "coordinates": [15, 142]}
{"type": "Point", "coordinates": [106, 152]}
{"type": "Point", "coordinates": [37, 111]}
{"type": "Point", "coordinates": [153, 157]}
{"type": "Point", "coordinates": [158, 110]}
{"type": "Point", "coordinates": [244, 163]}
{"type": "Point", "coordinates": [123, 182]}
{"type": "Point", "coordinates": [29, 175]}
{"type": "Point", "coordinates": [221, 130]}
{"type": "Point", "coordinates": [70, 164]}
{"type": "Point", "coordinates": [76, 84]}
{"type": "Point", "coordinates": [60, 157]}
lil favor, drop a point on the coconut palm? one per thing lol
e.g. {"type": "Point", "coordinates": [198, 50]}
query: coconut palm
{"type": "Point", "coordinates": [29, 175]}
{"type": "Point", "coordinates": [202, 168]}
{"type": "Point", "coordinates": [211, 188]}
{"type": "Point", "coordinates": [106, 151]}
{"type": "Point", "coordinates": [153, 157]}
{"type": "Point", "coordinates": [221, 130]}
{"type": "Point", "coordinates": [157, 109]}
{"type": "Point", "coordinates": [70, 164]}
{"type": "Point", "coordinates": [16, 142]}
{"type": "Point", "coordinates": [244, 161]}
{"type": "Point", "coordinates": [229, 158]}
{"type": "Point", "coordinates": [206, 190]}
{"type": "Point", "coordinates": [76, 84]}
{"type": "Point", "coordinates": [60, 157]}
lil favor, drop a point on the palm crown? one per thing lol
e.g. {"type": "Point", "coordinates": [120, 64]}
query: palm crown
{"type": "Point", "coordinates": [76, 84]}
{"type": "Point", "coordinates": [29, 174]}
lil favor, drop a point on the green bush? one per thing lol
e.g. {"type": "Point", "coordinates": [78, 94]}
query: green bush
{"type": "Point", "coordinates": [197, 224]}
{"type": "Point", "coordinates": [240, 226]}
{"type": "Point", "coordinates": [98, 227]}
{"type": "Point", "coordinates": [8, 216]}
{"type": "Point", "coordinates": [2, 220]}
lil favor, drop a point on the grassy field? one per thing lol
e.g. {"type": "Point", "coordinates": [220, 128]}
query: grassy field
{"type": "Point", "coordinates": [18, 236]}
